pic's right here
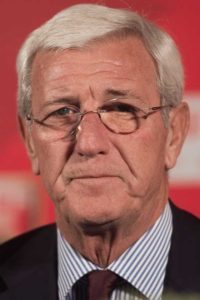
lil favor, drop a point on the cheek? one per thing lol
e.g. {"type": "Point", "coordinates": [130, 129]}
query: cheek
{"type": "Point", "coordinates": [52, 158]}
{"type": "Point", "coordinates": [144, 153]}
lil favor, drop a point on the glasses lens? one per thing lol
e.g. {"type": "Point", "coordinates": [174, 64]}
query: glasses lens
{"type": "Point", "coordinates": [59, 127]}
{"type": "Point", "coordinates": [120, 122]}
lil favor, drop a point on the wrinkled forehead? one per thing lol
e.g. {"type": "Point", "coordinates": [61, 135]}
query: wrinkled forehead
{"type": "Point", "coordinates": [126, 52]}
{"type": "Point", "coordinates": [131, 44]}
{"type": "Point", "coordinates": [109, 64]}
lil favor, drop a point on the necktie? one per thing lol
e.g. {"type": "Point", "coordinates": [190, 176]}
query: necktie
{"type": "Point", "coordinates": [96, 285]}
{"type": "Point", "coordinates": [101, 284]}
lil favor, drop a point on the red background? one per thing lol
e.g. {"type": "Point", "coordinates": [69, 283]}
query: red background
{"type": "Point", "coordinates": [19, 17]}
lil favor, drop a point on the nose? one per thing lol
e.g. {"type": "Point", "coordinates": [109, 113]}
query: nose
{"type": "Point", "coordinates": [92, 136]}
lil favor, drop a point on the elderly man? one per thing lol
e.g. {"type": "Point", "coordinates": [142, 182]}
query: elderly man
{"type": "Point", "coordinates": [101, 113]}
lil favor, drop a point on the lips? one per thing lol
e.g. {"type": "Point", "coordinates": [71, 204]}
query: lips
{"type": "Point", "coordinates": [91, 172]}
{"type": "Point", "coordinates": [91, 177]}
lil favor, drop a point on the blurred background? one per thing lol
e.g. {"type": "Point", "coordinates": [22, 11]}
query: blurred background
{"type": "Point", "coordinates": [23, 201]}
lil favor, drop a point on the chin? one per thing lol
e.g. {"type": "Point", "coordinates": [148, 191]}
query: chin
{"type": "Point", "coordinates": [98, 226]}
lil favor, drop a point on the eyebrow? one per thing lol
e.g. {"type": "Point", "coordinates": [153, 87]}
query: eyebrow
{"type": "Point", "coordinates": [109, 93]}
{"type": "Point", "coordinates": [122, 93]}
{"type": "Point", "coordinates": [63, 100]}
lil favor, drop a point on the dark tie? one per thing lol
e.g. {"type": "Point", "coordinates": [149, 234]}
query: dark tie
{"type": "Point", "coordinates": [101, 284]}
{"type": "Point", "coordinates": [96, 285]}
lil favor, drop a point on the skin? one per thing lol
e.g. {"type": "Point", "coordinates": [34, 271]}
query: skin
{"type": "Point", "coordinates": [108, 188]}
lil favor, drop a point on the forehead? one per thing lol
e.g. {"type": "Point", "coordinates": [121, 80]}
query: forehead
{"type": "Point", "coordinates": [99, 65]}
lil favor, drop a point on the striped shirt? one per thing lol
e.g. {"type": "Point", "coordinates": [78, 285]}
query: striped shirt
{"type": "Point", "coordinates": [142, 265]}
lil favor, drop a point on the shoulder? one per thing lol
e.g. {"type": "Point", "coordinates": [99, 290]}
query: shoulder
{"type": "Point", "coordinates": [186, 234]}
{"type": "Point", "coordinates": [185, 237]}
{"type": "Point", "coordinates": [28, 265]}
{"type": "Point", "coordinates": [29, 246]}
{"type": "Point", "coordinates": [183, 269]}
{"type": "Point", "coordinates": [185, 224]}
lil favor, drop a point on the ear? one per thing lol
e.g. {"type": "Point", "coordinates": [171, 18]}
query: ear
{"type": "Point", "coordinates": [26, 134]}
{"type": "Point", "coordinates": [179, 120]}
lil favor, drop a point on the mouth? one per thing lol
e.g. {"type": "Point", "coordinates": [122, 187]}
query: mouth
{"type": "Point", "coordinates": [93, 177]}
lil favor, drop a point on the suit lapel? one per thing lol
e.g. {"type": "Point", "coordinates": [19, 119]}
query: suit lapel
{"type": "Point", "coordinates": [39, 284]}
{"type": "Point", "coordinates": [31, 273]}
{"type": "Point", "coordinates": [182, 273]}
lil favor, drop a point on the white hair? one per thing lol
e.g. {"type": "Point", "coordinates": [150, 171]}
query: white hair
{"type": "Point", "coordinates": [81, 24]}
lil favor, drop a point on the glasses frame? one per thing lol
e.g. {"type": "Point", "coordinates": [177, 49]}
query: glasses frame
{"type": "Point", "coordinates": [151, 110]}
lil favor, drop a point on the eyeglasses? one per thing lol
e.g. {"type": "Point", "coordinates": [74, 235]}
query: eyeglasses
{"type": "Point", "coordinates": [118, 117]}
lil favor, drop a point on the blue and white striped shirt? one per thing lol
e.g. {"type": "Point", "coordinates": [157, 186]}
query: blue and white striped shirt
{"type": "Point", "coordinates": [143, 265]}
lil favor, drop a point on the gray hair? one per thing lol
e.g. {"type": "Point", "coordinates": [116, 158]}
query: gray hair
{"type": "Point", "coordinates": [81, 24]}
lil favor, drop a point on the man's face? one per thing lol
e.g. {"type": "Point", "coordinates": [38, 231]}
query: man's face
{"type": "Point", "coordinates": [100, 177]}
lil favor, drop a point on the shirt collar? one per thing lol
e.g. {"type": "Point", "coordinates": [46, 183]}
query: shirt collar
{"type": "Point", "coordinates": [143, 264]}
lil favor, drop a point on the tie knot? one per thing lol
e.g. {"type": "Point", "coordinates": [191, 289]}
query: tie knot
{"type": "Point", "coordinates": [101, 284]}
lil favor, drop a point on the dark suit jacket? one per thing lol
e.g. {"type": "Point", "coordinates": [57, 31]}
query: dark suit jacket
{"type": "Point", "coordinates": [28, 266]}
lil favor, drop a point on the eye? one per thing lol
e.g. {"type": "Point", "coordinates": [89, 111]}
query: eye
{"type": "Point", "coordinates": [62, 112]}
{"type": "Point", "coordinates": [122, 107]}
